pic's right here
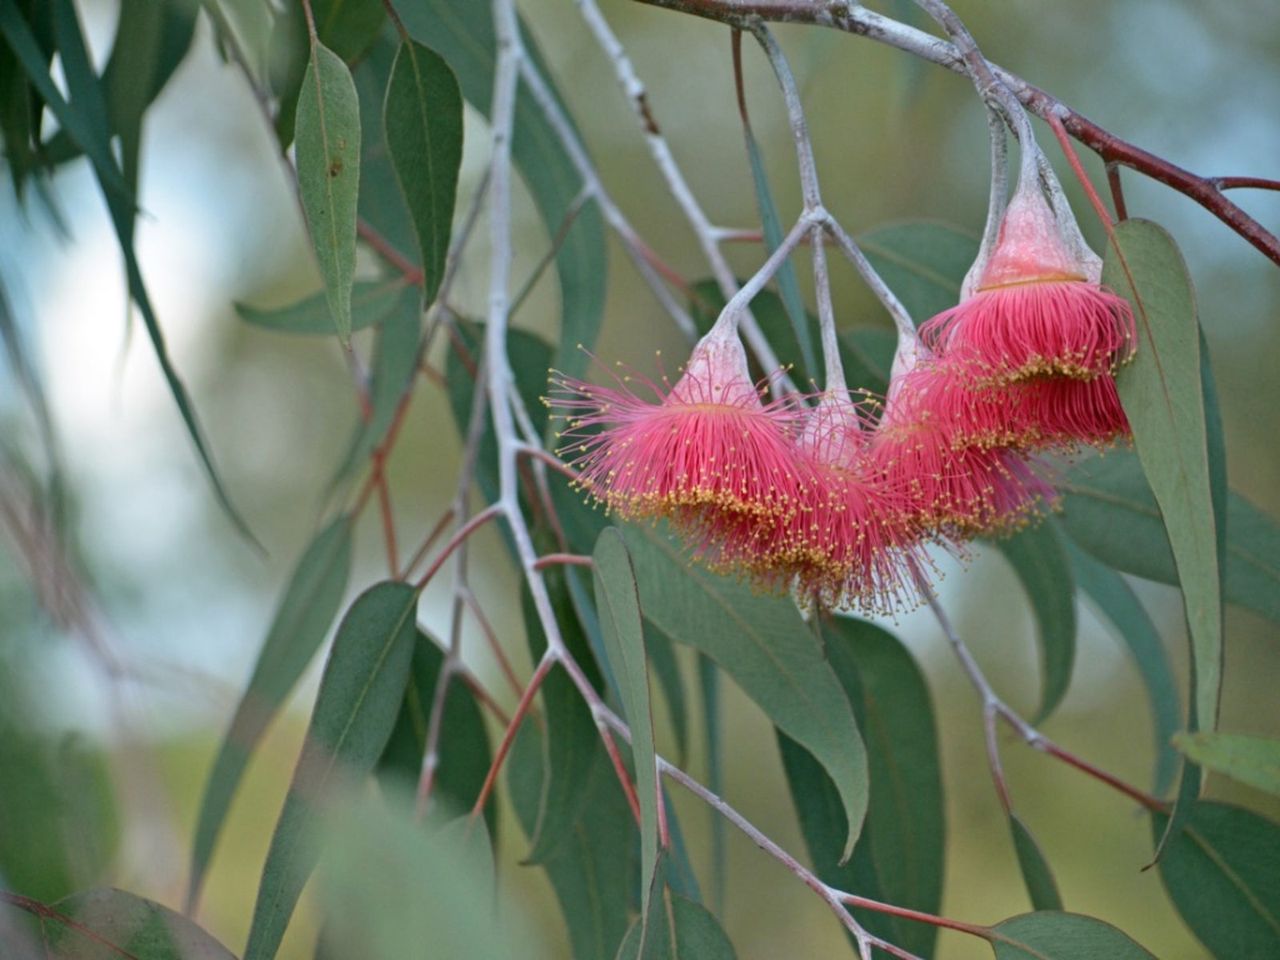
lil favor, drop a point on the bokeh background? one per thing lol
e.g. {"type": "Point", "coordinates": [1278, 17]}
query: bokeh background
{"type": "Point", "coordinates": [184, 602]}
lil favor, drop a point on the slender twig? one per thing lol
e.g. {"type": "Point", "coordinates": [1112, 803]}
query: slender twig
{"type": "Point", "coordinates": [481, 518]}
{"type": "Point", "coordinates": [857, 19]}
{"type": "Point", "coordinates": [561, 559]}
{"type": "Point", "coordinates": [993, 706]}
{"type": "Point", "coordinates": [706, 234]}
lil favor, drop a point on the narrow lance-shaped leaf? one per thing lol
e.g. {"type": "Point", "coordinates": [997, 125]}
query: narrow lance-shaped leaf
{"type": "Point", "coordinates": [360, 694]}
{"type": "Point", "coordinates": [372, 301]}
{"type": "Point", "coordinates": [593, 876]}
{"type": "Point", "coordinates": [900, 856]}
{"type": "Point", "coordinates": [306, 610]}
{"type": "Point", "coordinates": [423, 122]}
{"type": "Point", "coordinates": [1037, 876]}
{"type": "Point", "coordinates": [1040, 562]}
{"type": "Point", "coordinates": [764, 645]}
{"type": "Point", "coordinates": [618, 602]}
{"type": "Point", "coordinates": [573, 747]}
{"type": "Point", "coordinates": [1111, 512]}
{"type": "Point", "coordinates": [462, 31]}
{"type": "Point", "coordinates": [788, 286]}
{"type": "Point", "coordinates": [328, 157]}
{"type": "Point", "coordinates": [1163, 398]}
{"type": "Point", "coordinates": [1251, 760]}
{"type": "Point", "coordinates": [676, 928]}
{"type": "Point", "coordinates": [1049, 935]}
{"type": "Point", "coordinates": [464, 742]}
{"type": "Point", "coordinates": [1220, 872]}
{"type": "Point", "coordinates": [1116, 601]}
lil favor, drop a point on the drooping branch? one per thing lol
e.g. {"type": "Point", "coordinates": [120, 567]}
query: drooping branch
{"type": "Point", "coordinates": [856, 19]}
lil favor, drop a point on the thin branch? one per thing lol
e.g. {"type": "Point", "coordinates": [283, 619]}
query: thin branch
{"type": "Point", "coordinates": [704, 231]}
{"type": "Point", "coordinates": [856, 19]}
{"type": "Point", "coordinates": [994, 705]}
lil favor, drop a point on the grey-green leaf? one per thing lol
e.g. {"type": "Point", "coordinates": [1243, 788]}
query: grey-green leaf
{"type": "Point", "coordinates": [900, 856]}
{"type": "Point", "coordinates": [594, 875]}
{"type": "Point", "coordinates": [372, 301]}
{"type": "Point", "coordinates": [109, 923]}
{"type": "Point", "coordinates": [1116, 601]}
{"type": "Point", "coordinates": [327, 135]}
{"type": "Point", "coordinates": [462, 31]}
{"type": "Point", "coordinates": [464, 742]}
{"type": "Point", "coordinates": [1163, 398]}
{"type": "Point", "coordinates": [788, 287]}
{"type": "Point", "coordinates": [423, 123]}
{"type": "Point", "coordinates": [360, 694]}
{"type": "Point", "coordinates": [764, 645]}
{"type": "Point", "coordinates": [923, 262]}
{"type": "Point", "coordinates": [1037, 876]}
{"type": "Point", "coordinates": [678, 929]}
{"type": "Point", "coordinates": [618, 603]}
{"type": "Point", "coordinates": [1111, 512]}
{"type": "Point", "coordinates": [1251, 760]}
{"type": "Point", "coordinates": [1062, 936]}
{"type": "Point", "coordinates": [306, 609]}
{"type": "Point", "coordinates": [1040, 562]}
{"type": "Point", "coordinates": [1220, 872]}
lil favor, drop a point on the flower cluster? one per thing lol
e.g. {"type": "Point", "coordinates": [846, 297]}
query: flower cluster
{"type": "Point", "coordinates": [835, 496]}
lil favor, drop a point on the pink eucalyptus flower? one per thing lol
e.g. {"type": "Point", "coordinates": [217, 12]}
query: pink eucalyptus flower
{"type": "Point", "coordinates": [1036, 308]}
{"type": "Point", "coordinates": [955, 488]}
{"type": "Point", "coordinates": [708, 444]}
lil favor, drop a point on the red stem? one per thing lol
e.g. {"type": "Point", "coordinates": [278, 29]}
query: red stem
{"type": "Point", "coordinates": [384, 248]}
{"type": "Point", "coordinates": [508, 737]}
{"type": "Point", "coordinates": [468, 528]}
{"type": "Point", "coordinates": [561, 559]}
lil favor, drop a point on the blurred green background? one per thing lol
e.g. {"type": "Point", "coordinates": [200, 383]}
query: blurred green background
{"type": "Point", "coordinates": [183, 602]}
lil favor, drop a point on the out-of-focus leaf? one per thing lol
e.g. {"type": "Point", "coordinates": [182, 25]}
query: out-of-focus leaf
{"type": "Point", "coordinates": [1116, 601]}
{"type": "Point", "coordinates": [57, 810]}
{"type": "Point", "coordinates": [151, 40]}
{"type": "Point", "coordinates": [924, 263]}
{"type": "Point", "coordinates": [328, 158]}
{"type": "Point", "coordinates": [1220, 872]}
{"type": "Point", "coordinates": [107, 924]}
{"type": "Point", "coordinates": [303, 616]}
{"type": "Point", "coordinates": [372, 301]}
{"type": "Point", "coordinates": [900, 856]}
{"type": "Point", "coordinates": [1110, 511]}
{"type": "Point", "coordinates": [593, 873]}
{"type": "Point", "coordinates": [86, 132]}
{"type": "Point", "coordinates": [1038, 558]}
{"type": "Point", "coordinates": [462, 31]}
{"type": "Point", "coordinates": [393, 889]}
{"type": "Point", "coordinates": [423, 123]}
{"type": "Point", "coordinates": [618, 601]}
{"type": "Point", "coordinates": [764, 645]}
{"type": "Point", "coordinates": [464, 743]}
{"type": "Point", "coordinates": [395, 365]}
{"type": "Point", "coordinates": [360, 694]}
{"type": "Point", "coordinates": [677, 928]}
{"type": "Point", "coordinates": [1163, 398]}
{"type": "Point", "coordinates": [1062, 936]}
{"type": "Point", "coordinates": [1251, 760]}
{"type": "Point", "coordinates": [1037, 876]}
